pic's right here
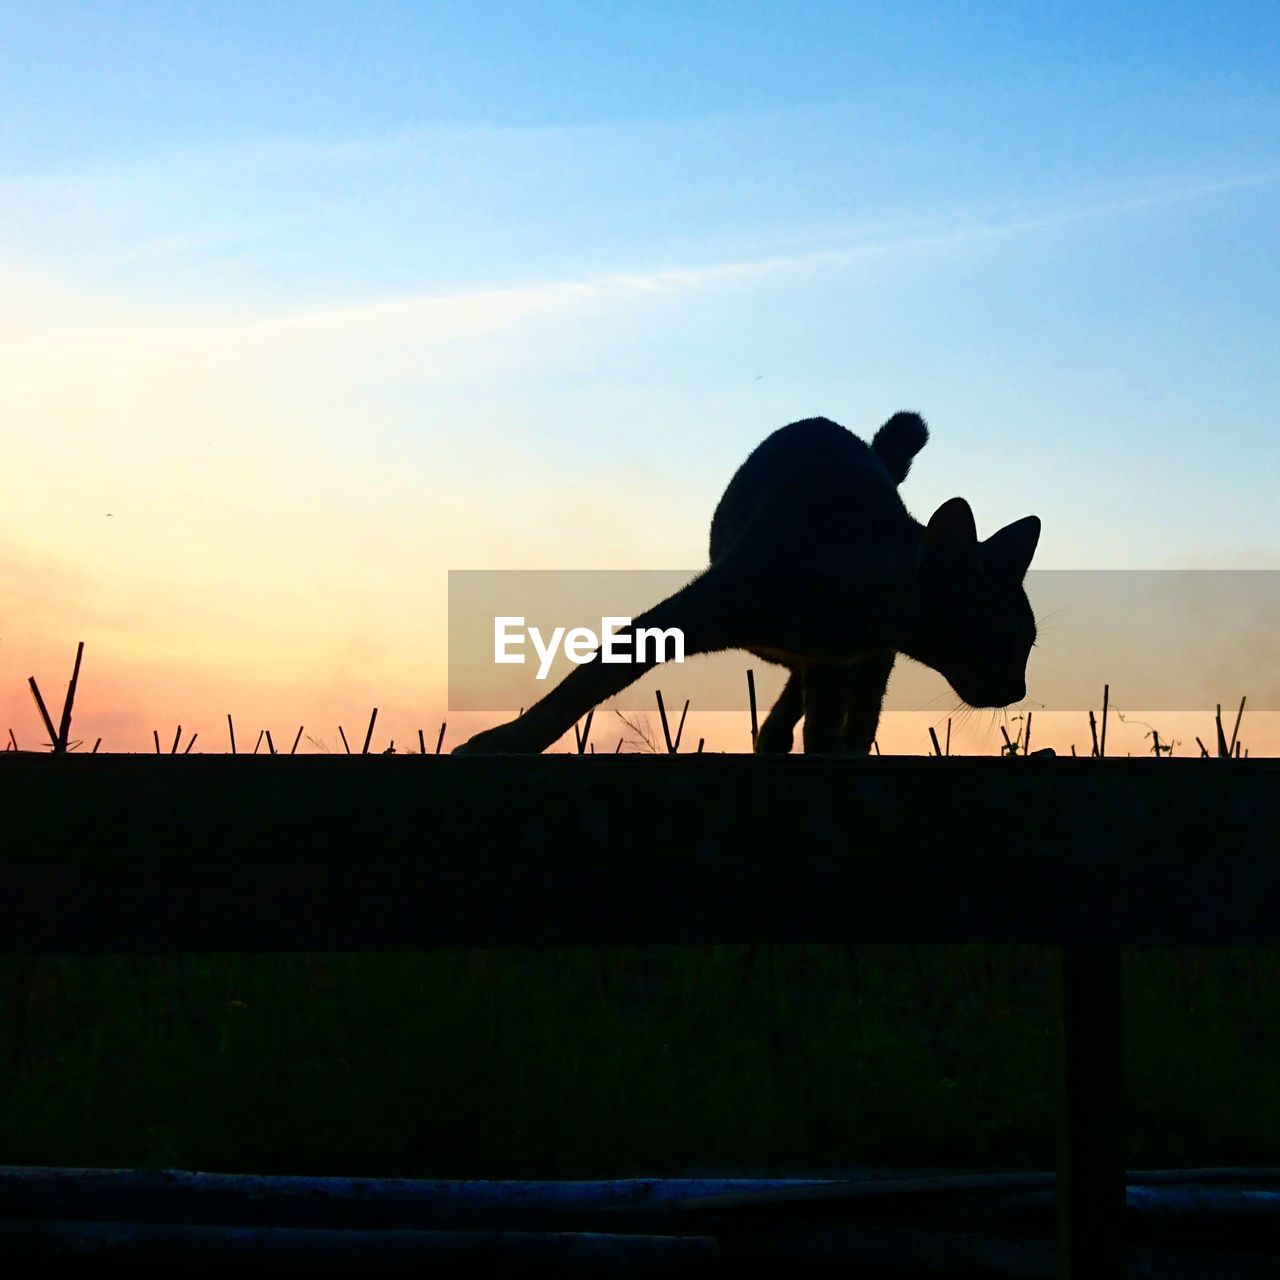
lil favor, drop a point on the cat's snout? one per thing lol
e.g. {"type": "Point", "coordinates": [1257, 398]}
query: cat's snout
{"type": "Point", "coordinates": [993, 696]}
{"type": "Point", "coordinates": [1007, 696]}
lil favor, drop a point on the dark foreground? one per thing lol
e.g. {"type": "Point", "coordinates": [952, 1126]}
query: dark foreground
{"type": "Point", "coordinates": [138, 855]}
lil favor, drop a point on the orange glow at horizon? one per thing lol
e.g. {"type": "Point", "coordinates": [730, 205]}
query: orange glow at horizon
{"type": "Point", "coordinates": [125, 701]}
{"type": "Point", "coordinates": [233, 515]}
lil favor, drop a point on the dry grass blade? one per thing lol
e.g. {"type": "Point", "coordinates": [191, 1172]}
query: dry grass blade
{"type": "Point", "coordinates": [751, 698]}
{"type": "Point", "coordinates": [1235, 732]}
{"type": "Point", "coordinates": [44, 712]}
{"type": "Point", "coordinates": [368, 737]}
{"type": "Point", "coordinates": [666, 729]}
{"type": "Point", "coordinates": [641, 734]}
{"type": "Point", "coordinates": [680, 726]}
{"type": "Point", "coordinates": [231, 729]}
{"type": "Point", "coordinates": [581, 735]}
{"type": "Point", "coordinates": [64, 727]}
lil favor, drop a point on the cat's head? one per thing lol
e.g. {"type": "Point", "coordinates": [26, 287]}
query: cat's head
{"type": "Point", "coordinates": [974, 623]}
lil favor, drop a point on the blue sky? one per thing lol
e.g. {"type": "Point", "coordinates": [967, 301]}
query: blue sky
{"type": "Point", "coordinates": [318, 295]}
{"type": "Point", "coordinates": [85, 77]}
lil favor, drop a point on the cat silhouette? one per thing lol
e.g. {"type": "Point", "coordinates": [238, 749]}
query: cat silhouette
{"type": "Point", "coordinates": [817, 565]}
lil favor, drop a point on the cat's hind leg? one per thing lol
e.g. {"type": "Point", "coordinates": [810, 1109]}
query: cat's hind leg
{"type": "Point", "coordinates": [864, 697]}
{"type": "Point", "coordinates": [825, 700]}
{"type": "Point", "coordinates": [777, 734]}
{"type": "Point", "coordinates": [704, 610]}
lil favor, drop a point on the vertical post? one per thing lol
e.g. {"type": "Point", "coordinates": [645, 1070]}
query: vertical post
{"type": "Point", "coordinates": [1091, 1139]}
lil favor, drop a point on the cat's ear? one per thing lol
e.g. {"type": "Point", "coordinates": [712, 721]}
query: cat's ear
{"type": "Point", "coordinates": [950, 542]}
{"type": "Point", "coordinates": [1007, 553]}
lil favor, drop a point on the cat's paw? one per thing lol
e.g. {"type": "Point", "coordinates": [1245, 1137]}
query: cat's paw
{"type": "Point", "coordinates": [505, 739]}
{"type": "Point", "coordinates": [774, 741]}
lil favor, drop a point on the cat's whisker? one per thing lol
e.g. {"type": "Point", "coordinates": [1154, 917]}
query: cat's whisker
{"type": "Point", "coordinates": [1056, 615]}
{"type": "Point", "coordinates": [967, 716]}
{"type": "Point", "coordinates": [929, 703]}
{"type": "Point", "coordinates": [954, 710]}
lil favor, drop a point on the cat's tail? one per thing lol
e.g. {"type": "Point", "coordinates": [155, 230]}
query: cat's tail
{"type": "Point", "coordinates": [898, 441]}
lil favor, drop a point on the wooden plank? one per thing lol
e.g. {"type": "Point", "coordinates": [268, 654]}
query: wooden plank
{"type": "Point", "coordinates": [1091, 1141]}
{"type": "Point", "coordinates": [160, 1248]}
{"type": "Point", "coordinates": [149, 853]}
{"type": "Point", "coordinates": [1229, 1210]}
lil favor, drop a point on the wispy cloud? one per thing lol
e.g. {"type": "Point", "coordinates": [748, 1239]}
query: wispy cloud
{"type": "Point", "coordinates": [492, 222]}
{"type": "Point", "coordinates": [472, 311]}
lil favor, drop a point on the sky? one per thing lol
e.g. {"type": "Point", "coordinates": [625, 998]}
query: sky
{"type": "Point", "coordinates": [303, 306]}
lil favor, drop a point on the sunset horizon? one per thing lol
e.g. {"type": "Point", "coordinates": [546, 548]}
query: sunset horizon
{"type": "Point", "coordinates": [269, 373]}
{"type": "Point", "coordinates": [781, 500]}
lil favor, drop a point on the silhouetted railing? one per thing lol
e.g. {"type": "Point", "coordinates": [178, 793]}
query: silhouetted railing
{"type": "Point", "coordinates": [222, 853]}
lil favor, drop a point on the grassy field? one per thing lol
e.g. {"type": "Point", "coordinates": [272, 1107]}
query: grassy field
{"type": "Point", "coordinates": [611, 1062]}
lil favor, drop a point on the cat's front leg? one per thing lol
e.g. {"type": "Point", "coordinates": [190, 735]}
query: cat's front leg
{"type": "Point", "coordinates": [864, 697]}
